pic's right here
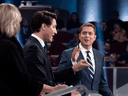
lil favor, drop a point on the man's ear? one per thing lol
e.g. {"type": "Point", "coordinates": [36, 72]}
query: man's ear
{"type": "Point", "coordinates": [43, 26]}
{"type": "Point", "coordinates": [95, 37]}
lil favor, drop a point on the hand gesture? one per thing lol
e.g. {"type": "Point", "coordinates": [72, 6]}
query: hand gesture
{"type": "Point", "coordinates": [75, 53]}
{"type": "Point", "coordinates": [80, 65]}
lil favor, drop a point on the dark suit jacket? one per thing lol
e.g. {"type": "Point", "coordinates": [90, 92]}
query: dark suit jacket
{"type": "Point", "coordinates": [39, 65]}
{"type": "Point", "coordinates": [14, 77]}
{"type": "Point", "coordinates": [99, 82]}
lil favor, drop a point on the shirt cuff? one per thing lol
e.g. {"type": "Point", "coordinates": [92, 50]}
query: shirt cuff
{"type": "Point", "coordinates": [73, 63]}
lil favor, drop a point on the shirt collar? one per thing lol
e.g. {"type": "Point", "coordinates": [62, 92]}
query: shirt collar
{"type": "Point", "coordinates": [39, 39]}
{"type": "Point", "coordinates": [84, 50]}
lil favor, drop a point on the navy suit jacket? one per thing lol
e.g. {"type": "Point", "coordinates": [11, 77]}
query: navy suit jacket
{"type": "Point", "coordinates": [39, 66]}
{"type": "Point", "coordinates": [99, 83]}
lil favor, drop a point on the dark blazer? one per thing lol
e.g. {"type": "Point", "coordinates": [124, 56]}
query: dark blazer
{"type": "Point", "coordinates": [39, 65]}
{"type": "Point", "coordinates": [99, 82]}
{"type": "Point", "coordinates": [14, 77]}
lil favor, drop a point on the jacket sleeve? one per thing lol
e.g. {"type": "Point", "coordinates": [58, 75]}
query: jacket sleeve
{"type": "Point", "coordinates": [65, 61]}
{"type": "Point", "coordinates": [65, 71]}
{"type": "Point", "coordinates": [63, 75]}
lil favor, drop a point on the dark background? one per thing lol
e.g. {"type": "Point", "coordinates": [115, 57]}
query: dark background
{"type": "Point", "coordinates": [98, 9]}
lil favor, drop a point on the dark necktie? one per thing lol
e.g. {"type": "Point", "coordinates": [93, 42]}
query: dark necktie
{"type": "Point", "coordinates": [49, 64]}
{"type": "Point", "coordinates": [91, 70]}
{"type": "Point", "coordinates": [45, 50]}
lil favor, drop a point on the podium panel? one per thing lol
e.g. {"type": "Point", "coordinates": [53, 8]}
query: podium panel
{"type": "Point", "coordinates": [117, 78]}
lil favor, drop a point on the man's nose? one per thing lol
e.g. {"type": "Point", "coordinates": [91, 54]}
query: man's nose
{"type": "Point", "coordinates": [86, 35]}
{"type": "Point", "coordinates": [55, 32]}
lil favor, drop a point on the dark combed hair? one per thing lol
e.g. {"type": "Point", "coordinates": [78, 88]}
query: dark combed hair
{"type": "Point", "coordinates": [88, 25]}
{"type": "Point", "coordinates": [41, 17]}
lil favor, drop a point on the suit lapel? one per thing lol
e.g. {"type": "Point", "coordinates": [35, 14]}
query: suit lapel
{"type": "Point", "coordinates": [85, 70]}
{"type": "Point", "coordinates": [96, 63]}
{"type": "Point", "coordinates": [45, 55]}
{"type": "Point", "coordinates": [33, 39]}
{"type": "Point", "coordinates": [80, 57]}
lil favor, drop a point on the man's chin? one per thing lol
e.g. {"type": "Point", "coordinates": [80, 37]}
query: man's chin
{"type": "Point", "coordinates": [86, 44]}
{"type": "Point", "coordinates": [51, 40]}
{"type": "Point", "coordinates": [48, 41]}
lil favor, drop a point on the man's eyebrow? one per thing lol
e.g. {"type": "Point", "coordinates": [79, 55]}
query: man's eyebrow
{"type": "Point", "coordinates": [84, 31]}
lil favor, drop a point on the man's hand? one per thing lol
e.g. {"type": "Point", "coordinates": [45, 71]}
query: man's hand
{"type": "Point", "coordinates": [58, 87]}
{"type": "Point", "coordinates": [80, 65]}
{"type": "Point", "coordinates": [41, 94]}
{"type": "Point", "coordinates": [75, 53]}
{"type": "Point", "coordinates": [49, 89]}
{"type": "Point", "coordinates": [75, 93]}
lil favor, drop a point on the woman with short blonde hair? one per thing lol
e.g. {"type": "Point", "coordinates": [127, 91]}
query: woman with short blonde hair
{"type": "Point", "coordinates": [10, 19]}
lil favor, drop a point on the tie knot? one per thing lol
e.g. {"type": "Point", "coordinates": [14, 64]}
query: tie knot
{"type": "Point", "coordinates": [87, 52]}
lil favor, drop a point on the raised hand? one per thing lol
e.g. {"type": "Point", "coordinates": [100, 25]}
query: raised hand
{"type": "Point", "coordinates": [75, 53]}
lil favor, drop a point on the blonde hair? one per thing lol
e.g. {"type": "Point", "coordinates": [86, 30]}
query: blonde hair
{"type": "Point", "coordinates": [9, 19]}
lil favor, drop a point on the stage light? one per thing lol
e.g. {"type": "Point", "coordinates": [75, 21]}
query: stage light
{"type": "Point", "coordinates": [90, 11]}
{"type": "Point", "coordinates": [123, 10]}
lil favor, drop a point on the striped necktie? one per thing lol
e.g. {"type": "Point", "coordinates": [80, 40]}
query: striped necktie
{"type": "Point", "coordinates": [91, 70]}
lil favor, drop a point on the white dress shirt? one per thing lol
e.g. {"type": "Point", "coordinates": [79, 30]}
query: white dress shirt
{"type": "Point", "coordinates": [39, 39]}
